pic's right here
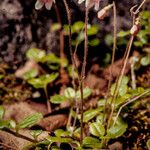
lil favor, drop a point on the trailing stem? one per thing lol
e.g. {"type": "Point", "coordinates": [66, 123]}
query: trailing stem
{"type": "Point", "coordinates": [128, 102]}
{"type": "Point", "coordinates": [83, 70]}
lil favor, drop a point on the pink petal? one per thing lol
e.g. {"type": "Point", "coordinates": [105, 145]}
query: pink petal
{"type": "Point", "coordinates": [48, 5]}
{"type": "Point", "coordinates": [97, 2]}
{"type": "Point", "coordinates": [80, 1]}
{"type": "Point", "coordinates": [39, 4]}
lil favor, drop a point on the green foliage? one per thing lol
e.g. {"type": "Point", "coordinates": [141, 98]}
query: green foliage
{"type": "Point", "coordinates": [2, 111]}
{"type": "Point", "coordinates": [70, 94]}
{"type": "Point", "coordinates": [90, 114]}
{"type": "Point", "coordinates": [35, 54]}
{"type": "Point", "coordinates": [55, 27]}
{"type": "Point", "coordinates": [77, 29]}
{"type": "Point", "coordinates": [86, 93]}
{"type": "Point", "coordinates": [30, 74]}
{"type": "Point", "coordinates": [148, 144]}
{"type": "Point", "coordinates": [58, 99]}
{"type": "Point", "coordinates": [35, 133]}
{"type": "Point", "coordinates": [29, 121]}
{"type": "Point", "coordinates": [4, 124]}
{"type": "Point", "coordinates": [51, 60]}
{"type": "Point", "coordinates": [1, 76]}
{"type": "Point", "coordinates": [117, 130]}
{"type": "Point", "coordinates": [97, 129]}
{"type": "Point", "coordinates": [122, 88]}
{"type": "Point", "coordinates": [58, 139]}
{"type": "Point", "coordinates": [91, 142]}
{"type": "Point", "coordinates": [61, 133]}
{"type": "Point", "coordinates": [145, 61]}
{"type": "Point", "coordinates": [43, 80]}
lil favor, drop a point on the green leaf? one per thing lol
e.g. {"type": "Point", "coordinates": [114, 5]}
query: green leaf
{"type": "Point", "coordinates": [58, 99]}
{"type": "Point", "coordinates": [78, 26]}
{"type": "Point", "coordinates": [138, 44]}
{"type": "Point", "coordinates": [43, 80]}
{"type": "Point", "coordinates": [4, 124]}
{"type": "Point", "coordinates": [145, 14]}
{"type": "Point", "coordinates": [122, 88]}
{"type": "Point", "coordinates": [1, 76]}
{"type": "Point", "coordinates": [66, 29]}
{"type": "Point", "coordinates": [91, 142]}
{"type": "Point", "coordinates": [55, 27]}
{"type": "Point", "coordinates": [117, 130]}
{"type": "Point", "coordinates": [109, 39]}
{"type": "Point", "coordinates": [35, 133]}
{"type": "Point", "coordinates": [92, 30]}
{"type": "Point", "coordinates": [72, 72]}
{"type": "Point", "coordinates": [69, 93]}
{"type": "Point", "coordinates": [30, 74]}
{"type": "Point", "coordinates": [100, 118]}
{"type": "Point", "coordinates": [12, 124]}
{"type": "Point", "coordinates": [148, 144]}
{"type": "Point", "coordinates": [61, 132]}
{"type": "Point", "coordinates": [90, 114]}
{"type": "Point", "coordinates": [50, 58]}
{"type": "Point", "coordinates": [122, 99]}
{"type": "Point", "coordinates": [123, 33]}
{"type": "Point", "coordinates": [145, 61]}
{"type": "Point", "coordinates": [2, 111]}
{"type": "Point", "coordinates": [59, 139]}
{"type": "Point", "coordinates": [30, 121]}
{"type": "Point", "coordinates": [35, 54]}
{"type": "Point", "coordinates": [86, 93]}
{"type": "Point", "coordinates": [94, 42]}
{"type": "Point", "coordinates": [97, 129]}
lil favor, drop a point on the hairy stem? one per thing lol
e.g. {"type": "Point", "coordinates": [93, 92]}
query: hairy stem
{"type": "Point", "coordinates": [83, 71]}
{"type": "Point", "coordinates": [61, 39]}
{"type": "Point", "coordinates": [113, 52]}
{"type": "Point", "coordinates": [120, 80]}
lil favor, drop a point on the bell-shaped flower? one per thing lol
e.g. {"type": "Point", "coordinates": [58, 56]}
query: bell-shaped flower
{"type": "Point", "coordinates": [40, 3]}
{"type": "Point", "coordinates": [91, 3]}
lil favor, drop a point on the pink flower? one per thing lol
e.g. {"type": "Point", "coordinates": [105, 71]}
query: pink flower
{"type": "Point", "coordinates": [40, 3]}
{"type": "Point", "coordinates": [91, 3]}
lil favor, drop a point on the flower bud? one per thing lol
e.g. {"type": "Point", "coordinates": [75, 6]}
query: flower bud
{"type": "Point", "coordinates": [134, 30]}
{"type": "Point", "coordinates": [103, 13]}
{"type": "Point", "coordinates": [136, 27]}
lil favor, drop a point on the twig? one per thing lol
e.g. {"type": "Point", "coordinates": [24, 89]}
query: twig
{"type": "Point", "coordinates": [49, 109]}
{"type": "Point", "coordinates": [128, 102]}
{"type": "Point", "coordinates": [19, 135]}
{"type": "Point", "coordinates": [7, 146]}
